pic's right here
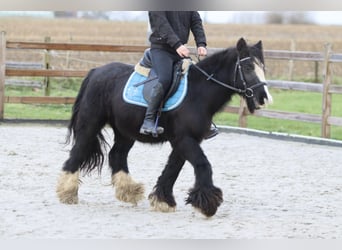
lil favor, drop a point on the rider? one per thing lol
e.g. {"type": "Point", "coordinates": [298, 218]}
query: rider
{"type": "Point", "coordinates": [170, 33]}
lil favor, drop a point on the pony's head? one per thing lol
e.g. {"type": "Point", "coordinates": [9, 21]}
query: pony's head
{"type": "Point", "coordinates": [250, 75]}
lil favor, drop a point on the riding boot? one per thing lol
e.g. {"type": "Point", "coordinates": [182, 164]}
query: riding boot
{"type": "Point", "coordinates": [149, 124]}
{"type": "Point", "coordinates": [213, 131]}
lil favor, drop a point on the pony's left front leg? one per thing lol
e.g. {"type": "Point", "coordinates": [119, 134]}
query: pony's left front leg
{"type": "Point", "coordinates": [161, 199]}
{"type": "Point", "coordinates": [204, 195]}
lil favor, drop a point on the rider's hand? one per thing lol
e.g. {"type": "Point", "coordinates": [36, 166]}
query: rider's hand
{"type": "Point", "coordinates": [201, 51]}
{"type": "Point", "coordinates": [183, 51]}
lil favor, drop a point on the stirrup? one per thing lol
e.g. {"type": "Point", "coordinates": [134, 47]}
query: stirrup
{"type": "Point", "coordinates": [153, 130]}
{"type": "Point", "coordinates": [213, 131]}
{"type": "Point", "coordinates": [157, 131]}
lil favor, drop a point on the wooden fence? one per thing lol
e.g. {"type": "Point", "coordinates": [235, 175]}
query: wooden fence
{"type": "Point", "coordinates": [326, 88]}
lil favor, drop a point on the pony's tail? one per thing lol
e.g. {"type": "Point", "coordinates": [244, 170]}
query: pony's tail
{"type": "Point", "coordinates": [76, 108]}
{"type": "Point", "coordinates": [93, 154]}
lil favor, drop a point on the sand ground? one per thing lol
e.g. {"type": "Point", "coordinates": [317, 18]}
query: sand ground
{"type": "Point", "coordinates": [272, 189]}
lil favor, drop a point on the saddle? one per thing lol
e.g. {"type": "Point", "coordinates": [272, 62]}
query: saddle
{"type": "Point", "coordinates": [139, 85]}
{"type": "Point", "coordinates": [145, 68]}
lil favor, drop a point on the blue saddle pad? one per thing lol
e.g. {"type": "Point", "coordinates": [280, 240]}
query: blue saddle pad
{"type": "Point", "coordinates": [134, 94]}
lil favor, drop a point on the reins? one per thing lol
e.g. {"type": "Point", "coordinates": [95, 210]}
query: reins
{"type": "Point", "coordinates": [248, 92]}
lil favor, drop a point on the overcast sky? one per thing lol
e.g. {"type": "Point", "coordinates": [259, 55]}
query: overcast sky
{"type": "Point", "coordinates": [319, 17]}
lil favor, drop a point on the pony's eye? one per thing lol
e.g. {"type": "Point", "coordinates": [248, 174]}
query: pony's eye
{"type": "Point", "coordinates": [248, 67]}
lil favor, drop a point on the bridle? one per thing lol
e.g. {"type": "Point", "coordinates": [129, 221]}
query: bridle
{"type": "Point", "coordinates": [247, 92]}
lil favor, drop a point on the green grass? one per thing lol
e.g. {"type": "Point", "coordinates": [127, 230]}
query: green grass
{"type": "Point", "coordinates": [38, 111]}
{"type": "Point", "coordinates": [60, 87]}
{"type": "Point", "coordinates": [277, 125]}
{"type": "Point", "coordinates": [291, 101]}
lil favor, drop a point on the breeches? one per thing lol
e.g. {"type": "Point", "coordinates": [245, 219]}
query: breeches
{"type": "Point", "coordinates": [163, 62]}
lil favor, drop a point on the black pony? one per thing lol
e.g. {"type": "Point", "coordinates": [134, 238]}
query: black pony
{"type": "Point", "coordinates": [211, 83]}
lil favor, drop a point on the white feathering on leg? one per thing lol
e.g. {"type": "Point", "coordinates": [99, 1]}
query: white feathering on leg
{"type": "Point", "coordinates": [67, 187]}
{"type": "Point", "coordinates": [126, 189]}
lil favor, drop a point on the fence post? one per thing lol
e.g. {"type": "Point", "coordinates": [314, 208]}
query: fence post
{"type": "Point", "coordinates": [2, 72]}
{"type": "Point", "coordinates": [243, 113]}
{"type": "Point", "coordinates": [47, 66]}
{"type": "Point", "coordinates": [326, 96]}
{"type": "Point", "coordinates": [292, 48]}
{"type": "Point", "coordinates": [316, 71]}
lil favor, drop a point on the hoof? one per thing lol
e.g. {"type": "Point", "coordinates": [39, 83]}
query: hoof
{"type": "Point", "coordinates": [205, 199]}
{"type": "Point", "coordinates": [126, 189]}
{"type": "Point", "coordinates": [67, 187]}
{"type": "Point", "coordinates": [160, 206]}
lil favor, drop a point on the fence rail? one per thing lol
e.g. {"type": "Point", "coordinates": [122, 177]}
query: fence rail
{"type": "Point", "coordinates": [46, 72]}
{"type": "Point", "coordinates": [75, 46]}
{"type": "Point", "coordinates": [326, 87]}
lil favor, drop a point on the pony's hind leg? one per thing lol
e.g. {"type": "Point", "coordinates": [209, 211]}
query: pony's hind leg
{"type": "Point", "coordinates": [161, 199]}
{"type": "Point", "coordinates": [85, 155]}
{"type": "Point", "coordinates": [68, 181]}
{"type": "Point", "coordinates": [67, 187]}
{"type": "Point", "coordinates": [126, 189]}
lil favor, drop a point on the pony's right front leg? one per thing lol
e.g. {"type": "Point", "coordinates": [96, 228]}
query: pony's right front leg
{"type": "Point", "coordinates": [161, 199]}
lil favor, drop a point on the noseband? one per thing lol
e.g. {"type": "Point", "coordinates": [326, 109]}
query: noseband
{"type": "Point", "coordinates": [247, 92]}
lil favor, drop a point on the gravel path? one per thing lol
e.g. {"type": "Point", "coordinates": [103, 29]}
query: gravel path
{"type": "Point", "coordinates": [272, 189]}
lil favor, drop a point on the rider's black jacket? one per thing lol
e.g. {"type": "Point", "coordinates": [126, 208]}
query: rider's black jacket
{"type": "Point", "coordinates": [171, 29]}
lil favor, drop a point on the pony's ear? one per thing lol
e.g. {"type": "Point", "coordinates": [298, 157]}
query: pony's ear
{"type": "Point", "coordinates": [242, 48]}
{"type": "Point", "coordinates": [241, 45]}
{"type": "Point", "coordinates": [259, 51]}
{"type": "Point", "coordinates": [258, 45]}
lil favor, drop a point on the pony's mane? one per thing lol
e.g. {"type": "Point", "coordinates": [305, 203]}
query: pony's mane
{"type": "Point", "coordinates": [222, 57]}
{"type": "Point", "coordinates": [219, 59]}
